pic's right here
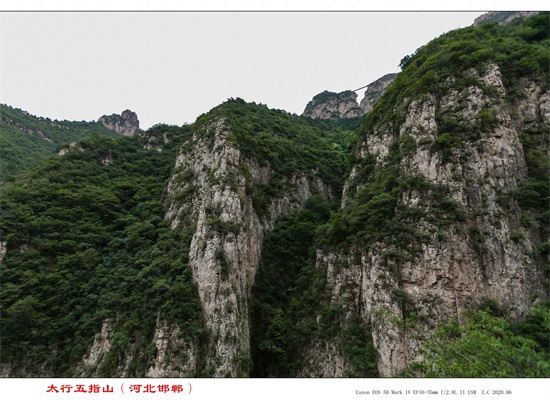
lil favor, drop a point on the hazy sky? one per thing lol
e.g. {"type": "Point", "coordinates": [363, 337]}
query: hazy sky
{"type": "Point", "coordinates": [172, 67]}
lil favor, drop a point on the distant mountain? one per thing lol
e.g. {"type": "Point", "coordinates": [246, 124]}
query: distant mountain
{"type": "Point", "coordinates": [330, 105]}
{"type": "Point", "coordinates": [26, 139]}
{"type": "Point", "coordinates": [125, 124]}
{"type": "Point", "coordinates": [374, 91]}
{"type": "Point", "coordinates": [502, 17]}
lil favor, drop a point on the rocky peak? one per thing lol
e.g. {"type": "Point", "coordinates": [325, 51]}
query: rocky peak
{"type": "Point", "coordinates": [125, 124]}
{"type": "Point", "coordinates": [451, 275]}
{"type": "Point", "coordinates": [374, 92]}
{"type": "Point", "coordinates": [225, 251]}
{"type": "Point", "coordinates": [327, 105]}
{"type": "Point", "coordinates": [502, 17]}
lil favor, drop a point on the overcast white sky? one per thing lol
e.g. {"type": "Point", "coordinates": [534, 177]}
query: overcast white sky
{"type": "Point", "coordinates": [172, 67]}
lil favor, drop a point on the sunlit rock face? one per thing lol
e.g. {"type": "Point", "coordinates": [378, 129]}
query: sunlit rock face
{"type": "Point", "coordinates": [229, 232]}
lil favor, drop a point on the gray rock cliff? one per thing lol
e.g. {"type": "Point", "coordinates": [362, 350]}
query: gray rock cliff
{"type": "Point", "coordinates": [327, 105]}
{"type": "Point", "coordinates": [502, 17]}
{"type": "Point", "coordinates": [374, 91]}
{"type": "Point", "coordinates": [125, 124]}
{"type": "Point", "coordinates": [229, 231]}
{"type": "Point", "coordinates": [486, 254]}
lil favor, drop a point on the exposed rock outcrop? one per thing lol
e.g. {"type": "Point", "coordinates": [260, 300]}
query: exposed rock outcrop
{"type": "Point", "coordinates": [73, 146]}
{"type": "Point", "coordinates": [125, 124]}
{"type": "Point", "coordinates": [486, 253]}
{"type": "Point", "coordinates": [328, 105]}
{"type": "Point", "coordinates": [176, 357]}
{"type": "Point", "coordinates": [103, 341]}
{"type": "Point", "coordinates": [374, 91]}
{"type": "Point", "coordinates": [502, 17]}
{"type": "Point", "coordinates": [3, 249]}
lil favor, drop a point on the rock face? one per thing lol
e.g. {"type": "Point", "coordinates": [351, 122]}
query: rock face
{"type": "Point", "coordinates": [328, 105]}
{"type": "Point", "coordinates": [209, 184]}
{"type": "Point", "coordinates": [125, 124]}
{"type": "Point", "coordinates": [3, 249]}
{"type": "Point", "coordinates": [374, 91]}
{"type": "Point", "coordinates": [485, 254]}
{"type": "Point", "coordinates": [175, 356]}
{"type": "Point", "coordinates": [432, 225]}
{"type": "Point", "coordinates": [169, 343]}
{"type": "Point", "coordinates": [502, 17]}
{"type": "Point", "coordinates": [103, 341]}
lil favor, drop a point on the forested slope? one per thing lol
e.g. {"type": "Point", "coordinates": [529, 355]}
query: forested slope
{"type": "Point", "coordinates": [259, 243]}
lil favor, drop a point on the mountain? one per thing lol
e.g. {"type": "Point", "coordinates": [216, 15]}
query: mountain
{"type": "Point", "coordinates": [126, 123]}
{"type": "Point", "coordinates": [437, 214]}
{"type": "Point", "coordinates": [330, 105]}
{"type": "Point", "coordinates": [259, 243]}
{"type": "Point", "coordinates": [374, 91]}
{"type": "Point", "coordinates": [25, 139]}
{"type": "Point", "coordinates": [156, 236]}
{"type": "Point", "coordinates": [502, 17]}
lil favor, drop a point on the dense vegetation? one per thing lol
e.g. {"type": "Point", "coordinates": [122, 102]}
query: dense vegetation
{"type": "Point", "coordinates": [25, 139]}
{"type": "Point", "coordinates": [287, 143]}
{"type": "Point", "coordinates": [289, 294]}
{"type": "Point", "coordinates": [87, 242]}
{"type": "Point", "coordinates": [488, 346]}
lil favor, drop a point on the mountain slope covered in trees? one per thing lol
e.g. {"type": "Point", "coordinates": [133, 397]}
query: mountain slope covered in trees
{"type": "Point", "coordinates": [259, 243]}
{"type": "Point", "coordinates": [26, 139]}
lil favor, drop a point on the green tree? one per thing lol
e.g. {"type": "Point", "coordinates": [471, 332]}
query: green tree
{"type": "Point", "coordinates": [483, 347]}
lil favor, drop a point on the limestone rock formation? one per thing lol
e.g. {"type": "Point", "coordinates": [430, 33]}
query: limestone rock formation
{"type": "Point", "coordinates": [502, 17]}
{"type": "Point", "coordinates": [229, 232]}
{"type": "Point", "coordinates": [125, 124]}
{"type": "Point", "coordinates": [374, 92]}
{"type": "Point", "coordinates": [330, 105]}
{"type": "Point", "coordinates": [327, 105]}
{"type": "Point", "coordinates": [483, 253]}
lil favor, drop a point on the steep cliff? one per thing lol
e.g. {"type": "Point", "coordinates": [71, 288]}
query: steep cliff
{"type": "Point", "coordinates": [125, 124]}
{"type": "Point", "coordinates": [435, 217]}
{"type": "Point", "coordinates": [374, 91]}
{"type": "Point", "coordinates": [327, 105]}
{"type": "Point", "coordinates": [259, 243]}
{"type": "Point", "coordinates": [232, 193]}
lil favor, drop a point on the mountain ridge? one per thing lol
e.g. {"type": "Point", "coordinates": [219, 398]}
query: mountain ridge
{"type": "Point", "coordinates": [259, 243]}
{"type": "Point", "coordinates": [25, 138]}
